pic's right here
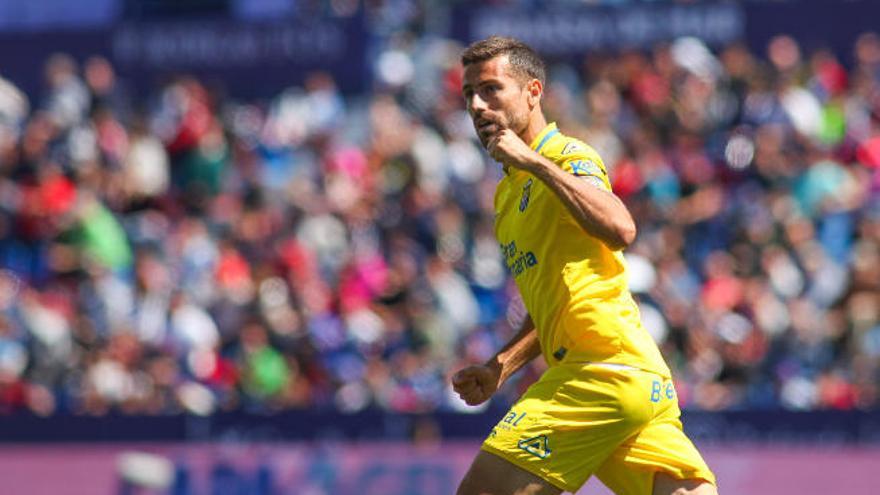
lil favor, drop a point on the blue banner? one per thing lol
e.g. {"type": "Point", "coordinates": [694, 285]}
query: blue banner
{"type": "Point", "coordinates": [563, 32]}
{"type": "Point", "coordinates": [757, 427]}
{"type": "Point", "coordinates": [247, 58]}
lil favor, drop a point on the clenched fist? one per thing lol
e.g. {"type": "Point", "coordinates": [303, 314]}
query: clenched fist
{"type": "Point", "coordinates": [507, 148]}
{"type": "Point", "coordinates": [476, 384]}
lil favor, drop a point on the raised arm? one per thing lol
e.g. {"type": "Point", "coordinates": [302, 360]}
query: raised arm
{"type": "Point", "coordinates": [599, 212]}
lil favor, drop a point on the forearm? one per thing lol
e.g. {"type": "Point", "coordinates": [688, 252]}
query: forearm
{"type": "Point", "coordinates": [522, 348]}
{"type": "Point", "coordinates": [600, 213]}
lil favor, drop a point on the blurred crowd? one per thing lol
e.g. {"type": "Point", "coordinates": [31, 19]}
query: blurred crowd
{"type": "Point", "coordinates": [185, 251]}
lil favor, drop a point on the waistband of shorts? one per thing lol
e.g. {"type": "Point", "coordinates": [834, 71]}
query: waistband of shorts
{"type": "Point", "coordinates": [564, 356]}
{"type": "Point", "coordinates": [612, 366]}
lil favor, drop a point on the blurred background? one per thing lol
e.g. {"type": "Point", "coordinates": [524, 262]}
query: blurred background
{"type": "Point", "coordinates": [245, 243]}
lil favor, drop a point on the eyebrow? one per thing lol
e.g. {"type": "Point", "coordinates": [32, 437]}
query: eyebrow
{"type": "Point", "coordinates": [466, 87]}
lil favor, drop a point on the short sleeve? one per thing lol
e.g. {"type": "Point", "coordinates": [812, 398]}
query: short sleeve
{"type": "Point", "coordinates": [583, 161]}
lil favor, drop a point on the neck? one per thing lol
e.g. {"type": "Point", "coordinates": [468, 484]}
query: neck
{"type": "Point", "coordinates": [537, 123]}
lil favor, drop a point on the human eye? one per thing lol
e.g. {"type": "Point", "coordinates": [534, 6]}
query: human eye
{"type": "Point", "coordinates": [489, 90]}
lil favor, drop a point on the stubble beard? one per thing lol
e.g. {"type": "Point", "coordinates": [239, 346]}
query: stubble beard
{"type": "Point", "coordinates": [506, 120]}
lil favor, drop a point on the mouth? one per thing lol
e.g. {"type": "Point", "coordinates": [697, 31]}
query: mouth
{"type": "Point", "coordinates": [485, 126]}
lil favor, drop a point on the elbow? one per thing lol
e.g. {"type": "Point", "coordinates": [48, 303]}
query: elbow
{"type": "Point", "coordinates": [624, 236]}
{"type": "Point", "coordinates": [628, 233]}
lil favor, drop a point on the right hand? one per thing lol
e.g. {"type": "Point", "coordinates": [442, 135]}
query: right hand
{"type": "Point", "coordinates": [509, 149]}
{"type": "Point", "coordinates": [476, 384]}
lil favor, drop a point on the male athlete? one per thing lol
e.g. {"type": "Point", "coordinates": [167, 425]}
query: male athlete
{"type": "Point", "coordinates": [606, 404]}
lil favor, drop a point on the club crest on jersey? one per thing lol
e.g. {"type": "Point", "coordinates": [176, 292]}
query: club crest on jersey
{"type": "Point", "coordinates": [526, 195]}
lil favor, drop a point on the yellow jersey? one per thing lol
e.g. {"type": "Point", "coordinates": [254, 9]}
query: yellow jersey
{"type": "Point", "coordinates": [573, 285]}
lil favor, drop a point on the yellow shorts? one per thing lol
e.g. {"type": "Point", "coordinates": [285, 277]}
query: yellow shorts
{"type": "Point", "coordinates": [582, 419]}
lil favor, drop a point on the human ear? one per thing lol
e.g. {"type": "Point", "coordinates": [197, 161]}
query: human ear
{"type": "Point", "coordinates": [535, 90]}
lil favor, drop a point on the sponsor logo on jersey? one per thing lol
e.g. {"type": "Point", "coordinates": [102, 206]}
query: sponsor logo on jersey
{"type": "Point", "coordinates": [517, 261]}
{"type": "Point", "coordinates": [571, 148]}
{"type": "Point", "coordinates": [594, 181]}
{"type": "Point", "coordinates": [581, 168]}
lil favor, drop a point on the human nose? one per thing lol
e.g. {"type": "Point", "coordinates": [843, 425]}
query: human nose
{"type": "Point", "coordinates": [476, 105]}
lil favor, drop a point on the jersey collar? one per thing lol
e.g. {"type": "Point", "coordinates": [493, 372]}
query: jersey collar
{"type": "Point", "coordinates": [544, 136]}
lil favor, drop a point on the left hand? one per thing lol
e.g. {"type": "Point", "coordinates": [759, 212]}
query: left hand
{"type": "Point", "coordinates": [507, 148]}
{"type": "Point", "coordinates": [476, 384]}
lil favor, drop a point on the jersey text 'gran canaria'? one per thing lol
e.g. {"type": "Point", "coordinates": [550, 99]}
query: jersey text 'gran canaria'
{"type": "Point", "coordinates": [573, 285]}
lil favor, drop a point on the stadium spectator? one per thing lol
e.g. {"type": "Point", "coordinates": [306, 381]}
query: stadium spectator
{"type": "Point", "coordinates": [192, 252]}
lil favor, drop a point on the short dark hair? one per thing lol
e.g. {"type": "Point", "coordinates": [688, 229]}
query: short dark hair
{"type": "Point", "coordinates": [524, 60]}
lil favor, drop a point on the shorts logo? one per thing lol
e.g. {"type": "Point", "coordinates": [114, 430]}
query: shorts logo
{"type": "Point", "coordinates": [537, 446]}
{"type": "Point", "coordinates": [509, 422]}
{"type": "Point", "coordinates": [658, 391]}
{"type": "Point", "coordinates": [513, 419]}
{"type": "Point", "coordinates": [526, 194]}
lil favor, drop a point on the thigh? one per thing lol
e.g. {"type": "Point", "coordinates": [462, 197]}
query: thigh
{"type": "Point", "coordinates": [665, 484]}
{"type": "Point", "coordinates": [569, 422]}
{"type": "Point", "coordinates": [628, 480]}
{"type": "Point", "coordinates": [660, 447]}
{"type": "Point", "coordinates": [492, 475]}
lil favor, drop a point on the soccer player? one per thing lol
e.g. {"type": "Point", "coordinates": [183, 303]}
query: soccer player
{"type": "Point", "coordinates": [606, 404]}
